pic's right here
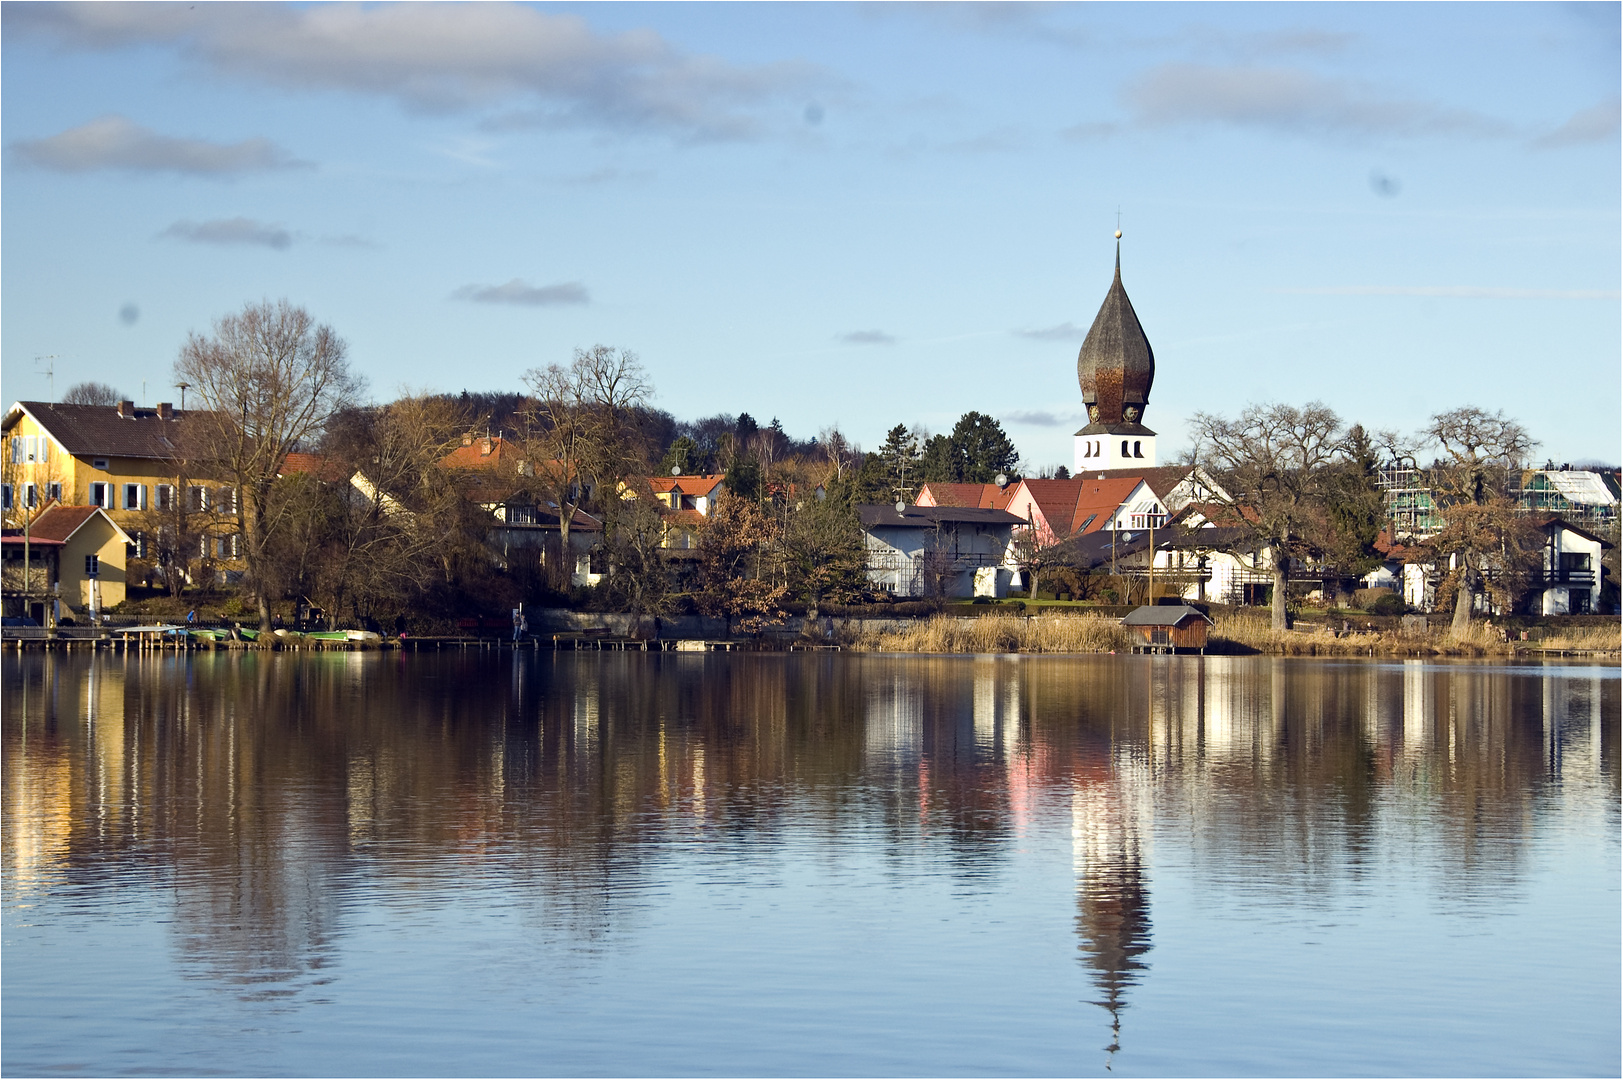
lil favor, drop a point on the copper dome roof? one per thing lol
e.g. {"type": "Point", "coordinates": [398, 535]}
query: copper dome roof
{"type": "Point", "coordinates": [1116, 365]}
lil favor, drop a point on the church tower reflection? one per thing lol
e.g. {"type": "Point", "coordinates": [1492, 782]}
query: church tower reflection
{"type": "Point", "coordinates": [1110, 811]}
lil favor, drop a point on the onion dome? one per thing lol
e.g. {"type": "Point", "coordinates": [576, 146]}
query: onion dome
{"type": "Point", "coordinates": [1116, 365]}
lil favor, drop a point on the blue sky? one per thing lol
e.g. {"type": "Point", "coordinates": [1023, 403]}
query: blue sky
{"type": "Point", "coordinates": [852, 215]}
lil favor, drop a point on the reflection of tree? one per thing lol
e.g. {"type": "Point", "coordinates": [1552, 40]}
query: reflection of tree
{"type": "Point", "coordinates": [261, 786]}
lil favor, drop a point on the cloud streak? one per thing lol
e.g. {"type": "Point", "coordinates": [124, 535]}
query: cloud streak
{"type": "Point", "coordinates": [1473, 292]}
{"type": "Point", "coordinates": [1065, 331]}
{"type": "Point", "coordinates": [237, 231]}
{"type": "Point", "coordinates": [116, 142]}
{"type": "Point", "coordinates": [440, 57]}
{"type": "Point", "coordinates": [1291, 101]}
{"type": "Point", "coordinates": [522, 294]}
{"type": "Point", "coordinates": [1598, 123]}
{"type": "Point", "coordinates": [1042, 418]}
{"type": "Point", "coordinates": [866, 337]}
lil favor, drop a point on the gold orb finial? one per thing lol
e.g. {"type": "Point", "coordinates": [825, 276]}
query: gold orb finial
{"type": "Point", "coordinates": [1118, 234]}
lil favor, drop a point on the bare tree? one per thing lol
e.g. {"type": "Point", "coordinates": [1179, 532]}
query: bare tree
{"type": "Point", "coordinates": [92, 393]}
{"type": "Point", "coordinates": [1483, 526]}
{"type": "Point", "coordinates": [267, 379]}
{"type": "Point", "coordinates": [582, 426]}
{"type": "Point", "coordinates": [1272, 460]}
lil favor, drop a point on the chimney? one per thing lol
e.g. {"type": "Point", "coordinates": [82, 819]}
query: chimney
{"type": "Point", "coordinates": [126, 409]}
{"type": "Point", "coordinates": [484, 446]}
{"type": "Point", "coordinates": [166, 411]}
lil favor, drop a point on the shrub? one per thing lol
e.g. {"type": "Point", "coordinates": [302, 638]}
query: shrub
{"type": "Point", "coordinates": [1389, 604]}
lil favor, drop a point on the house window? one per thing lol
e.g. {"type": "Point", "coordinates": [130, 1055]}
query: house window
{"type": "Point", "coordinates": [135, 496]}
{"type": "Point", "coordinates": [5, 496]}
{"type": "Point", "coordinates": [1136, 451]}
{"type": "Point", "coordinates": [138, 544]}
{"type": "Point", "coordinates": [227, 501]}
{"type": "Point", "coordinates": [598, 563]}
{"type": "Point", "coordinates": [165, 494]}
{"type": "Point", "coordinates": [101, 494]}
{"type": "Point", "coordinates": [1124, 448]}
{"type": "Point", "coordinates": [92, 566]}
{"type": "Point", "coordinates": [1088, 522]}
{"type": "Point", "coordinates": [1574, 560]}
{"type": "Point", "coordinates": [31, 496]}
{"type": "Point", "coordinates": [521, 515]}
{"type": "Point", "coordinates": [226, 547]}
{"type": "Point", "coordinates": [53, 490]}
{"type": "Point", "coordinates": [99, 463]}
{"type": "Point", "coordinates": [198, 501]}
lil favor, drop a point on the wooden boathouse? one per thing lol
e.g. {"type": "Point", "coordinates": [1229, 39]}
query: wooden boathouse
{"type": "Point", "coordinates": [1168, 628]}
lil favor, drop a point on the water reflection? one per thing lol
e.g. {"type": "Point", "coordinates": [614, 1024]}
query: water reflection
{"type": "Point", "coordinates": [265, 792]}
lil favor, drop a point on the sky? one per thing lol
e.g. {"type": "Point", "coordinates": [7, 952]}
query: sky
{"type": "Point", "coordinates": [833, 214]}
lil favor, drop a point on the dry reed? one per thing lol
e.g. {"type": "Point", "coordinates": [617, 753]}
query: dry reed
{"type": "Point", "coordinates": [1233, 633]}
{"type": "Point", "coordinates": [1001, 634]}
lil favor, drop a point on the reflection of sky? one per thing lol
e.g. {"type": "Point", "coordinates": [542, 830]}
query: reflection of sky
{"type": "Point", "coordinates": [875, 865]}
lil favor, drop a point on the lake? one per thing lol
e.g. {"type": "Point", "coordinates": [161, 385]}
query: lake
{"type": "Point", "coordinates": [828, 864]}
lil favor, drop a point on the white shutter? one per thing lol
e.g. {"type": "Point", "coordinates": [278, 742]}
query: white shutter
{"type": "Point", "coordinates": [141, 499]}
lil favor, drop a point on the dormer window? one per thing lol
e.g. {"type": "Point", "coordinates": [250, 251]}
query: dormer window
{"type": "Point", "coordinates": [99, 463]}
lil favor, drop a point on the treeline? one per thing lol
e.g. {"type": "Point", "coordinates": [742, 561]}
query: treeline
{"type": "Point", "coordinates": [354, 506]}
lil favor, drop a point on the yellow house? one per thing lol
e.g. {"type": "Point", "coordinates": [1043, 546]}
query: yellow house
{"type": "Point", "coordinates": [92, 557]}
{"type": "Point", "coordinates": [124, 460]}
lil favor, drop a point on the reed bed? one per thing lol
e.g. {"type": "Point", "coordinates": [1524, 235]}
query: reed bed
{"type": "Point", "coordinates": [1233, 634]}
{"type": "Point", "coordinates": [1002, 634]}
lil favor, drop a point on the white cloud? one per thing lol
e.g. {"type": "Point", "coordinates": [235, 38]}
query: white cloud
{"type": "Point", "coordinates": [525, 295]}
{"type": "Point", "coordinates": [230, 231]}
{"type": "Point", "coordinates": [1043, 418]}
{"type": "Point", "coordinates": [866, 337]}
{"type": "Point", "coordinates": [1064, 331]}
{"type": "Point", "coordinates": [1290, 100]}
{"type": "Point", "coordinates": [1598, 123]}
{"type": "Point", "coordinates": [439, 56]}
{"type": "Point", "coordinates": [116, 142]}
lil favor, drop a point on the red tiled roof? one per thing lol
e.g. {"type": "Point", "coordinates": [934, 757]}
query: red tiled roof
{"type": "Point", "coordinates": [58, 522]}
{"type": "Point", "coordinates": [686, 517]}
{"type": "Point", "coordinates": [316, 465]}
{"type": "Point", "coordinates": [1067, 505]}
{"type": "Point", "coordinates": [482, 454]}
{"type": "Point", "coordinates": [1161, 479]}
{"type": "Point", "coordinates": [686, 485]}
{"type": "Point", "coordinates": [17, 538]}
{"type": "Point", "coordinates": [975, 496]}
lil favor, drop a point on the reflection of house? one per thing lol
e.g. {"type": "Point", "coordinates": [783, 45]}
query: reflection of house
{"type": "Point", "coordinates": [937, 550]}
{"type": "Point", "coordinates": [1569, 578]}
{"type": "Point", "coordinates": [90, 551]}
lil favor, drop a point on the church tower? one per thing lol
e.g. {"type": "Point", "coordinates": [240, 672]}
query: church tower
{"type": "Point", "coordinates": [1115, 369]}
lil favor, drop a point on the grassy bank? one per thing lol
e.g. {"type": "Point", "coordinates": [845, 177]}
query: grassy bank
{"type": "Point", "coordinates": [1233, 635]}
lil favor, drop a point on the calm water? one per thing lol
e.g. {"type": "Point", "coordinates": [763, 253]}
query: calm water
{"type": "Point", "coordinates": [661, 864]}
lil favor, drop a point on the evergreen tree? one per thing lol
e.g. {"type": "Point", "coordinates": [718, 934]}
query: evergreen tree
{"type": "Point", "coordinates": [900, 455]}
{"type": "Point", "coordinates": [938, 463]}
{"type": "Point", "coordinates": [981, 450]}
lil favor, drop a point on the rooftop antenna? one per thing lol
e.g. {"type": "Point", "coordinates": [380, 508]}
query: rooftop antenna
{"type": "Point", "coordinates": [50, 372]}
{"type": "Point", "coordinates": [182, 388]}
